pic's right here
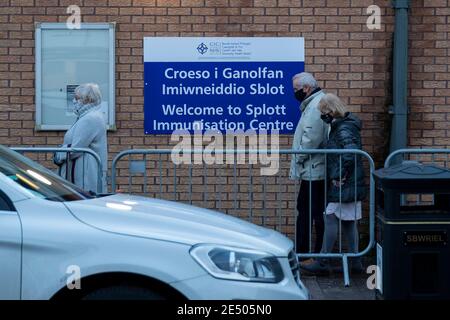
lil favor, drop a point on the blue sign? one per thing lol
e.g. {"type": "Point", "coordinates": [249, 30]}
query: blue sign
{"type": "Point", "coordinates": [223, 84]}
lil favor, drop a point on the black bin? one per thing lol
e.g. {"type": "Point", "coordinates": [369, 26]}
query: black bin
{"type": "Point", "coordinates": [413, 223]}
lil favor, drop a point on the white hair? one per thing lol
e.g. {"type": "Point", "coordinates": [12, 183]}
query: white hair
{"type": "Point", "coordinates": [89, 93]}
{"type": "Point", "coordinates": [305, 79]}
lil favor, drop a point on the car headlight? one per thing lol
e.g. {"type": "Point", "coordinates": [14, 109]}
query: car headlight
{"type": "Point", "coordinates": [238, 264]}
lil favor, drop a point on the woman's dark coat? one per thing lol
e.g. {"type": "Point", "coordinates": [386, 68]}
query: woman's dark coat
{"type": "Point", "coordinates": [345, 134]}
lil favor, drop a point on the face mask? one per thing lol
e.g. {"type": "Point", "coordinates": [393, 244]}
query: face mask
{"type": "Point", "coordinates": [300, 95]}
{"type": "Point", "coordinates": [327, 118]}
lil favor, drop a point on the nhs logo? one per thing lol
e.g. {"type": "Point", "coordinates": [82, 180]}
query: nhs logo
{"type": "Point", "coordinates": [202, 48]}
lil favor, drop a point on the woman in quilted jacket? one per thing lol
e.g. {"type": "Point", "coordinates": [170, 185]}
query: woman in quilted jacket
{"type": "Point", "coordinates": [345, 182]}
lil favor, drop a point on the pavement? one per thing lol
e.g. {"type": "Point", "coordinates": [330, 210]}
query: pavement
{"type": "Point", "coordinates": [331, 287]}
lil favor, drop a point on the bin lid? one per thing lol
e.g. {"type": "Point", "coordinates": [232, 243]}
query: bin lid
{"type": "Point", "coordinates": [404, 175]}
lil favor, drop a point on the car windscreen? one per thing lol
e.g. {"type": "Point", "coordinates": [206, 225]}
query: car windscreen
{"type": "Point", "coordinates": [38, 180]}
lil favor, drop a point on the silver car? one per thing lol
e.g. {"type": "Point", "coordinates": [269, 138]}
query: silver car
{"type": "Point", "coordinates": [59, 242]}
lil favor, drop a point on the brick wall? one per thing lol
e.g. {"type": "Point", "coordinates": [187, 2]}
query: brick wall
{"type": "Point", "coordinates": [345, 56]}
{"type": "Point", "coordinates": [429, 79]}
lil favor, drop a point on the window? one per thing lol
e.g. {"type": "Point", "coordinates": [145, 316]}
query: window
{"type": "Point", "coordinates": [37, 180]}
{"type": "Point", "coordinates": [5, 202]}
{"type": "Point", "coordinates": [66, 58]}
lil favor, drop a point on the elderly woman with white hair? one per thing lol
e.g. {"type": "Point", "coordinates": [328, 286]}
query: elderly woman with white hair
{"type": "Point", "coordinates": [88, 131]}
{"type": "Point", "coordinates": [346, 184]}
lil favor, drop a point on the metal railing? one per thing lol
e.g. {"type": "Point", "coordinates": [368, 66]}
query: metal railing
{"type": "Point", "coordinates": [438, 157]}
{"type": "Point", "coordinates": [420, 156]}
{"type": "Point", "coordinates": [148, 165]}
{"type": "Point", "coordinates": [69, 151]}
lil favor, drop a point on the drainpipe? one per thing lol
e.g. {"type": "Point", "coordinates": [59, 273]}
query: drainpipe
{"type": "Point", "coordinates": [399, 109]}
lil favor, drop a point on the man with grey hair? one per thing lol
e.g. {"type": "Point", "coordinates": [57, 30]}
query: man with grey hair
{"type": "Point", "coordinates": [311, 131]}
{"type": "Point", "coordinates": [88, 131]}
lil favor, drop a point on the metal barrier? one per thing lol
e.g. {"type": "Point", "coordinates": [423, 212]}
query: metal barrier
{"type": "Point", "coordinates": [69, 151]}
{"type": "Point", "coordinates": [418, 152]}
{"type": "Point", "coordinates": [139, 166]}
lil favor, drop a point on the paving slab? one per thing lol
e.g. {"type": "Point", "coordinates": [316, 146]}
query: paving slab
{"type": "Point", "coordinates": [331, 287]}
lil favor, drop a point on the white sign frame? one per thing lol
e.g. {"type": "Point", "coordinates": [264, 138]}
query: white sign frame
{"type": "Point", "coordinates": [42, 27]}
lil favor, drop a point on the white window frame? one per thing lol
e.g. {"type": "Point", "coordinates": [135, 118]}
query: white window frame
{"type": "Point", "coordinates": [40, 27]}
